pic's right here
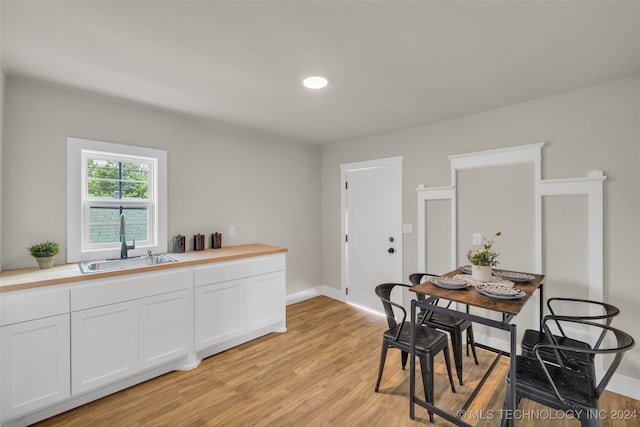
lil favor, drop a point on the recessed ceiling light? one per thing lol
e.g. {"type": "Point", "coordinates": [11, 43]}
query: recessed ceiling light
{"type": "Point", "coordinates": [315, 82]}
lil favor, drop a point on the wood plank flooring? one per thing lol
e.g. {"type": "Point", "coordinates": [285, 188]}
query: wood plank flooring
{"type": "Point", "coordinates": [321, 372]}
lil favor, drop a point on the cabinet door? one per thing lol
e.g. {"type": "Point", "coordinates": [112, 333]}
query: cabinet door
{"type": "Point", "coordinates": [266, 300]}
{"type": "Point", "coordinates": [164, 328]}
{"type": "Point", "coordinates": [104, 345]}
{"type": "Point", "coordinates": [35, 364]}
{"type": "Point", "coordinates": [219, 313]}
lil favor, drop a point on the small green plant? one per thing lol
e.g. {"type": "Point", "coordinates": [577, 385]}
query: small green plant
{"type": "Point", "coordinates": [44, 249]}
{"type": "Point", "coordinates": [485, 256]}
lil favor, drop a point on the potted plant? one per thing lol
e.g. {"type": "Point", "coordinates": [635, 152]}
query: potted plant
{"type": "Point", "coordinates": [483, 259]}
{"type": "Point", "coordinates": [44, 253]}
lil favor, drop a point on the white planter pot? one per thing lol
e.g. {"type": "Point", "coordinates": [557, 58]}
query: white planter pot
{"type": "Point", "coordinates": [481, 273]}
{"type": "Point", "coordinates": [45, 262]}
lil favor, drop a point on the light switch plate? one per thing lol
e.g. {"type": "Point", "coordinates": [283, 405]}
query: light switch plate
{"type": "Point", "coordinates": [407, 228]}
{"type": "Point", "coordinates": [477, 238]}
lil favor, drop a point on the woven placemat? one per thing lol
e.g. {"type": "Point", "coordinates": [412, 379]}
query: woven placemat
{"type": "Point", "coordinates": [495, 280]}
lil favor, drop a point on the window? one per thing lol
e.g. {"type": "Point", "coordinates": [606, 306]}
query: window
{"type": "Point", "coordinates": [106, 181]}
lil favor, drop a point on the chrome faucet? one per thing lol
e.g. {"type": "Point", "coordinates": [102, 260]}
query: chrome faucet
{"type": "Point", "coordinates": [124, 248]}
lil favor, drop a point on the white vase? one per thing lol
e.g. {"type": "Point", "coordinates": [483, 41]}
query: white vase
{"type": "Point", "coordinates": [481, 273]}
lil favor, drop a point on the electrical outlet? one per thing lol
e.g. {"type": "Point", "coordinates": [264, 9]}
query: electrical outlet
{"type": "Point", "coordinates": [232, 231]}
{"type": "Point", "coordinates": [477, 238]}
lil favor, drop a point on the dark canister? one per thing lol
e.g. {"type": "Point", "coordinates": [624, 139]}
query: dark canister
{"type": "Point", "coordinates": [198, 242]}
{"type": "Point", "coordinates": [178, 243]}
{"type": "Point", "coordinates": [216, 240]}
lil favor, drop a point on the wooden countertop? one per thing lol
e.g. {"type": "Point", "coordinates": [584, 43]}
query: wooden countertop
{"type": "Point", "coordinates": [13, 280]}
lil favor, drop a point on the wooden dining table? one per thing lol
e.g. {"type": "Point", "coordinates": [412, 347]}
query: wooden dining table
{"type": "Point", "coordinates": [472, 299]}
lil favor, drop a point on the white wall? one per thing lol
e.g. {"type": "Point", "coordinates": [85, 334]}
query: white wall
{"type": "Point", "coordinates": [596, 128]}
{"type": "Point", "coordinates": [2, 83]}
{"type": "Point", "coordinates": [219, 175]}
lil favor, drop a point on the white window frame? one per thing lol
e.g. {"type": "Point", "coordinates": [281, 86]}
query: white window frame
{"type": "Point", "coordinates": [78, 151]}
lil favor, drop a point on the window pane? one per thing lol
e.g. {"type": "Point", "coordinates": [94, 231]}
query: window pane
{"type": "Point", "coordinates": [135, 172]}
{"type": "Point", "coordinates": [110, 179]}
{"type": "Point", "coordinates": [132, 190]}
{"type": "Point", "coordinates": [104, 224]}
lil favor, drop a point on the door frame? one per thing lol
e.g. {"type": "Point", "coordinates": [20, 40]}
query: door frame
{"type": "Point", "coordinates": [395, 162]}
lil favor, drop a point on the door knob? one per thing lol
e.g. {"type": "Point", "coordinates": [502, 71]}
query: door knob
{"type": "Point", "coordinates": [391, 250]}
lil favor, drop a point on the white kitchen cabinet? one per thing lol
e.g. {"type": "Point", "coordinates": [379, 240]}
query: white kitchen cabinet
{"type": "Point", "coordinates": [237, 301]}
{"type": "Point", "coordinates": [104, 345]}
{"type": "Point", "coordinates": [65, 345]}
{"type": "Point", "coordinates": [121, 326]}
{"type": "Point", "coordinates": [219, 313]}
{"type": "Point", "coordinates": [265, 300]}
{"type": "Point", "coordinates": [34, 349]}
{"type": "Point", "coordinates": [165, 324]}
{"type": "Point", "coordinates": [35, 364]}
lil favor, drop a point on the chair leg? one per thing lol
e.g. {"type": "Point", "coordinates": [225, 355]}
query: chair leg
{"type": "Point", "coordinates": [589, 421]}
{"type": "Point", "coordinates": [471, 340]}
{"type": "Point", "coordinates": [426, 366]}
{"type": "Point", "coordinates": [456, 343]}
{"type": "Point", "coordinates": [383, 357]}
{"type": "Point", "coordinates": [447, 361]}
{"type": "Point", "coordinates": [405, 357]}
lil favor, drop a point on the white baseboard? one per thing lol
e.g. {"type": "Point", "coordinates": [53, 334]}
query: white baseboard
{"type": "Point", "coordinates": [626, 386]}
{"type": "Point", "coordinates": [334, 293]}
{"type": "Point", "coordinates": [304, 295]}
{"type": "Point", "coordinates": [314, 292]}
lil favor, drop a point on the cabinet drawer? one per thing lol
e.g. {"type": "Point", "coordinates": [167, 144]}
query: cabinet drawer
{"type": "Point", "coordinates": [31, 304]}
{"type": "Point", "coordinates": [238, 269]}
{"type": "Point", "coordinates": [128, 287]}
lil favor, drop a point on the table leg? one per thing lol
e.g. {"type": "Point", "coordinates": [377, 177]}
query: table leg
{"type": "Point", "coordinates": [412, 363]}
{"type": "Point", "coordinates": [512, 375]}
{"type": "Point", "coordinates": [541, 305]}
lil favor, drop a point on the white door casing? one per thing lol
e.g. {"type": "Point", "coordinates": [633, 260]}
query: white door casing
{"type": "Point", "coordinates": [371, 228]}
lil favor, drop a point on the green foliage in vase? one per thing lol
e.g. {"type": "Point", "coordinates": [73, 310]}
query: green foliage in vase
{"type": "Point", "coordinates": [485, 255]}
{"type": "Point", "coordinates": [44, 249]}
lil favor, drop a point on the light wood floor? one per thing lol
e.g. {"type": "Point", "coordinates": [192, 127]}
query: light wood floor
{"type": "Point", "coordinates": [321, 372]}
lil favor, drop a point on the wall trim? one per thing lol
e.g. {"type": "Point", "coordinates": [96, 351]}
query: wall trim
{"type": "Point", "coordinates": [591, 186]}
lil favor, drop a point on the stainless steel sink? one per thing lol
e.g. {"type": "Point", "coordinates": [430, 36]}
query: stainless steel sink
{"type": "Point", "coordinates": [123, 263]}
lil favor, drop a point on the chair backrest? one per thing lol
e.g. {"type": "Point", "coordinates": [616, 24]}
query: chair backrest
{"type": "Point", "coordinates": [623, 343]}
{"type": "Point", "coordinates": [607, 312]}
{"type": "Point", "coordinates": [383, 291]}
{"type": "Point", "coordinates": [416, 278]}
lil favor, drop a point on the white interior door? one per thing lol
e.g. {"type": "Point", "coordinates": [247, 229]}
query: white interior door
{"type": "Point", "coordinates": [372, 223]}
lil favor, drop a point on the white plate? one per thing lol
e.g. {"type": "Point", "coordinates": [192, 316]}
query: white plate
{"type": "Point", "coordinates": [499, 291]}
{"type": "Point", "coordinates": [466, 269]}
{"type": "Point", "coordinates": [450, 283]}
{"type": "Point", "coordinates": [514, 276]}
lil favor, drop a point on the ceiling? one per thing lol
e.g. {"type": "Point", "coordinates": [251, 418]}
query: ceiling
{"type": "Point", "coordinates": [391, 64]}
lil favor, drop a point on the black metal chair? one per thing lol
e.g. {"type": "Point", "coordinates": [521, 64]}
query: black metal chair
{"type": "Point", "coordinates": [559, 385]}
{"type": "Point", "coordinates": [429, 342]}
{"type": "Point", "coordinates": [450, 324]}
{"type": "Point", "coordinates": [581, 309]}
